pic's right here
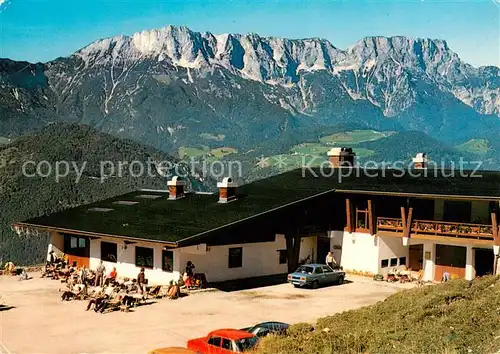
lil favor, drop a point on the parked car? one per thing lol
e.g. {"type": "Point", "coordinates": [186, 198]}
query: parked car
{"type": "Point", "coordinates": [316, 275]}
{"type": "Point", "coordinates": [171, 350]}
{"type": "Point", "coordinates": [266, 328]}
{"type": "Point", "coordinates": [224, 341]}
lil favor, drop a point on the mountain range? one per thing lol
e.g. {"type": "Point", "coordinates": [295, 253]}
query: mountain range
{"type": "Point", "coordinates": [174, 89]}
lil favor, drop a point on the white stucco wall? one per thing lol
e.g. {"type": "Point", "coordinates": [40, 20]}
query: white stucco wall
{"type": "Point", "coordinates": [125, 265]}
{"type": "Point", "coordinates": [258, 259]}
{"type": "Point", "coordinates": [336, 240]}
{"type": "Point", "coordinates": [360, 253]}
{"type": "Point", "coordinates": [389, 248]}
{"type": "Point", "coordinates": [56, 243]}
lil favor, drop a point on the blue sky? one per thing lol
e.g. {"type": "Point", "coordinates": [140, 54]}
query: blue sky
{"type": "Point", "coordinates": [41, 30]}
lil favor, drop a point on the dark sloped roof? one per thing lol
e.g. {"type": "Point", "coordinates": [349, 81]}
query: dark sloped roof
{"type": "Point", "coordinates": [171, 221]}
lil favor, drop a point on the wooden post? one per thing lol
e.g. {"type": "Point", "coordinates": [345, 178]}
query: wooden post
{"type": "Point", "coordinates": [409, 222]}
{"type": "Point", "coordinates": [403, 219]}
{"type": "Point", "coordinates": [496, 238]}
{"type": "Point", "coordinates": [293, 241]}
{"type": "Point", "coordinates": [370, 217]}
{"type": "Point", "coordinates": [348, 212]}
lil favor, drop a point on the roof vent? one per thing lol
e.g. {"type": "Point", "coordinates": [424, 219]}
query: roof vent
{"type": "Point", "coordinates": [176, 188]}
{"type": "Point", "coordinates": [227, 190]}
{"type": "Point", "coordinates": [420, 160]}
{"type": "Point", "coordinates": [341, 157]}
{"type": "Point", "coordinates": [99, 209]}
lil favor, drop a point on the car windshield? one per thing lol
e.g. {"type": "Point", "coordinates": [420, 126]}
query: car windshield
{"type": "Point", "coordinates": [305, 270]}
{"type": "Point", "coordinates": [246, 344]}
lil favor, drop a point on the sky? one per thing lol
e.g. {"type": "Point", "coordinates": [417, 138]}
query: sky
{"type": "Point", "coordinates": [42, 30]}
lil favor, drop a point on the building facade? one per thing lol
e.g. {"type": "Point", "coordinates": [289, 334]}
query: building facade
{"type": "Point", "coordinates": [371, 224]}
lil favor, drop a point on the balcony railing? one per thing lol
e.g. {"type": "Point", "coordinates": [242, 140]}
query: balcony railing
{"type": "Point", "coordinates": [390, 224]}
{"type": "Point", "coordinates": [438, 228]}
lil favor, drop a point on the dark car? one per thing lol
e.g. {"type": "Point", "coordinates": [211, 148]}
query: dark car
{"type": "Point", "coordinates": [263, 329]}
{"type": "Point", "coordinates": [315, 275]}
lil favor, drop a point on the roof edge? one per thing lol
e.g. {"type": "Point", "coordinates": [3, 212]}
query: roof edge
{"type": "Point", "coordinates": [92, 234]}
{"type": "Point", "coordinates": [252, 217]}
{"type": "Point", "coordinates": [421, 195]}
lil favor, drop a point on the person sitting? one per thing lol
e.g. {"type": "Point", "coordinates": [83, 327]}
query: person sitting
{"type": "Point", "coordinates": [24, 275]}
{"type": "Point", "coordinates": [446, 277]}
{"type": "Point", "coordinates": [111, 278]}
{"type": "Point", "coordinates": [77, 291]}
{"type": "Point", "coordinates": [173, 291]}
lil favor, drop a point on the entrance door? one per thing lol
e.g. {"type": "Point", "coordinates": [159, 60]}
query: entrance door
{"type": "Point", "coordinates": [77, 248]}
{"type": "Point", "coordinates": [451, 259]}
{"type": "Point", "coordinates": [323, 249]}
{"type": "Point", "coordinates": [483, 261]}
{"type": "Point", "coordinates": [416, 257]}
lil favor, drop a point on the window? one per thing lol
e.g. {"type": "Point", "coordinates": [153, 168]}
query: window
{"type": "Point", "coordinates": [283, 256]}
{"type": "Point", "coordinates": [227, 344]}
{"type": "Point", "coordinates": [318, 270]}
{"type": "Point", "coordinates": [167, 263]}
{"type": "Point", "coordinates": [76, 246]}
{"type": "Point", "coordinates": [327, 269]}
{"type": "Point", "coordinates": [144, 257]}
{"type": "Point", "coordinates": [362, 219]}
{"type": "Point", "coordinates": [215, 341]}
{"type": "Point", "coordinates": [402, 261]}
{"type": "Point", "coordinates": [394, 262]}
{"type": "Point", "coordinates": [235, 257]}
{"type": "Point", "coordinates": [108, 251]}
{"type": "Point", "coordinates": [384, 263]}
{"type": "Point", "coordinates": [77, 242]}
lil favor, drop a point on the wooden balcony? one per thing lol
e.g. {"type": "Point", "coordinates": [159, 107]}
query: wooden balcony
{"type": "Point", "coordinates": [438, 228]}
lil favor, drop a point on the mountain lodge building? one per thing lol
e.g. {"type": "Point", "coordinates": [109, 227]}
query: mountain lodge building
{"type": "Point", "coordinates": [373, 220]}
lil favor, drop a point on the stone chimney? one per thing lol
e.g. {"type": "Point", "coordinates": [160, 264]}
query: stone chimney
{"type": "Point", "coordinates": [341, 157]}
{"type": "Point", "coordinates": [176, 188]}
{"type": "Point", "coordinates": [227, 190]}
{"type": "Point", "coordinates": [420, 161]}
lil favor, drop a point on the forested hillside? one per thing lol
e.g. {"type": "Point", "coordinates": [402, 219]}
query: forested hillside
{"type": "Point", "coordinates": [23, 197]}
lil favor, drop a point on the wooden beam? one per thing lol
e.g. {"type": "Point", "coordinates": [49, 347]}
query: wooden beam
{"type": "Point", "coordinates": [494, 226]}
{"type": "Point", "coordinates": [348, 212]}
{"type": "Point", "coordinates": [496, 239]}
{"type": "Point", "coordinates": [408, 223]}
{"type": "Point", "coordinates": [370, 217]}
{"type": "Point", "coordinates": [403, 219]}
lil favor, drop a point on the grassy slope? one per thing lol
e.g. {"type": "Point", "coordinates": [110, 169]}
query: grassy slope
{"type": "Point", "coordinates": [475, 146]}
{"type": "Point", "coordinates": [455, 317]}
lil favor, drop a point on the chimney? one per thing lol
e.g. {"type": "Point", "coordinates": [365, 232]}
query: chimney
{"type": "Point", "coordinates": [420, 161]}
{"type": "Point", "coordinates": [341, 157]}
{"type": "Point", "coordinates": [176, 188]}
{"type": "Point", "coordinates": [227, 190]}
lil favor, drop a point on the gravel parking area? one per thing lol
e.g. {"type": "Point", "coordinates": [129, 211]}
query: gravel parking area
{"type": "Point", "coordinates": [39, 322]}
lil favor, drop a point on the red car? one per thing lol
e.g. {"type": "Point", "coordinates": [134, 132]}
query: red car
{"type": "Point", "coordinates": [224, 341]}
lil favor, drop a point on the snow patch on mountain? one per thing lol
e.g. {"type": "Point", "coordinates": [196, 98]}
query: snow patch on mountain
{"type": "Point", "coordinates": [382, 70]}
